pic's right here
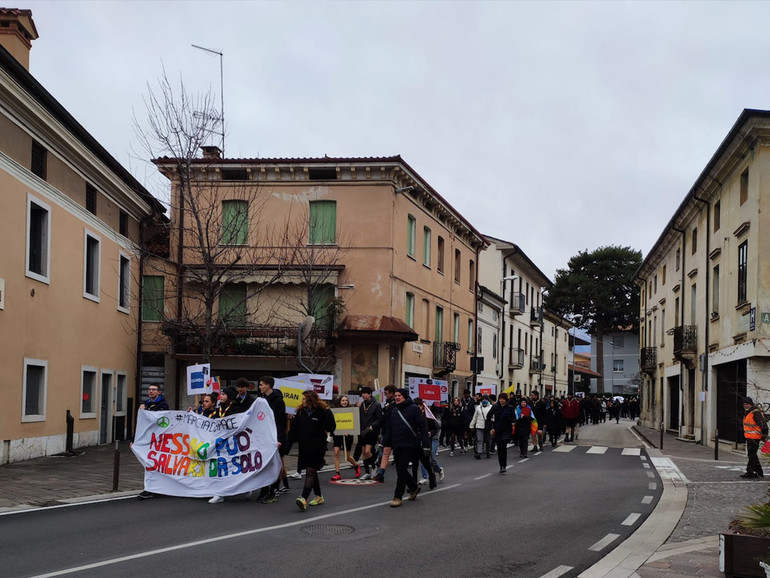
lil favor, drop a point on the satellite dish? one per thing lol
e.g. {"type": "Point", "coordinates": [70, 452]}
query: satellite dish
{"type": "Point", "coordinates": [305, 326]}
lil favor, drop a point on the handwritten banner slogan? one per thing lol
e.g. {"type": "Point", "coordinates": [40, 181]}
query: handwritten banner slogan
{"type": "Point", "coordinates": [186, 454]}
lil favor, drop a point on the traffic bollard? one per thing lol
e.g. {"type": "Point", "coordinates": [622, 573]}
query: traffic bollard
{"type": "Point", "coordinates": [716, 444]}
{"type": "Point", "coordinates": [661, 437]}
{"type": "Point", "coordinates": [116, 467]}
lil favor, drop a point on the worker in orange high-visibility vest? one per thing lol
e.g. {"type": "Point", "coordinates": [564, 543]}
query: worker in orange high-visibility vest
{"type": "Point", "coordinates": [754, 430]}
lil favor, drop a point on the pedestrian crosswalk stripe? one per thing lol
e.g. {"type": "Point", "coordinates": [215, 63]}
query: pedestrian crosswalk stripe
{"type": "Point", "coordinates": [647, 500]}
{"type": "Point", "coordinates": [597, 450]}
{"type": "Point", "coordinates": [564, 449]}
{"type": "Point", "coordinates": [631, 451]}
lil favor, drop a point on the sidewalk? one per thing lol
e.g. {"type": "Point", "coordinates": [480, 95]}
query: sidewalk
{"type": "Point", "coordinates": [715, 495]}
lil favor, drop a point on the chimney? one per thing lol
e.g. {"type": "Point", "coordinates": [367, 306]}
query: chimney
{"type": "Point", "coordinates": [211, 152]}
{"type": "Point", "coordinates": [17, 31]}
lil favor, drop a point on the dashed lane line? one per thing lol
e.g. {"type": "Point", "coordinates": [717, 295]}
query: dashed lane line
{"type": "Point", "coordinates": [631, 451]}
{"type": "Point", "coordinates": [599, 450]}
{"type": "Point", "coordinates": [631, 520]}
{"type": "Point", "coordinates": [556, 572]}
{"type": "Point", "coordinates": [604, 542]}
{"type": "Point", "coordinates": [647, 499]}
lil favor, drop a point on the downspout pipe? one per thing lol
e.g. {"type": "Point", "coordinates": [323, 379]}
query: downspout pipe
{"type": "Point", "coordinates": [476, 317]}
{"type": "Point", "coordinates": [707, 324]}
{"type": "Point", "coordinates": [680, 409]}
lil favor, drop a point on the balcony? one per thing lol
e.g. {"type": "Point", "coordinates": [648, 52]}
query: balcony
{"type": "Point", "coordinates": [252, 341]}
{"type": "Point", "coordinates": [648, 360]}
{"type": "Point", "coordinates": [517, 304]}
{"type": "Point", "coordinates": [444, 356]}
{"type": "Point", "coordinates": [536, 317]}
{"type": "Point", "coordinates": [686, 344]}
{"type": "Point", "coordinates": [515, 358]}
{"type": "Point", "coordinates": [536, 365]}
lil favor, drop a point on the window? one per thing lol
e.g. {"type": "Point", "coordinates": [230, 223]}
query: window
{"type": "Point", "coordinates": [426, 247]}
{"type": "Point", "coordinates": [458, 264]}
{"type": "Point", "coordinates": [663, 276]}
{"type": "Point", "coordinates": [456, 328]}
{"type": "Point", "coordinates": [617, 366]}
{"type": "Point", "coordinates": [471, 275]}
{"type": "Point", "coordinates": [323, 222]}
{"type": "Point", "coordinates": [693, 303]}
{"type": "Point", "coordinates": [655, 284]}
{"type": "Point", "coordinates": [662, 326]}
{"type": "Point", "coordinates": [35, 380]}
{"type": "Point", "coordinates": [676, 312]}
{"type": "Point", "coordinates": [123, 223]}
{"type": "Point", "coordinates": [91, 269]}
{"type": "Point", "coordinates": [715, 290]}
{"type": "Point", "coordinates": [235, 222]}
{"type": "Point", "coordinates": [440, 256]}
{"type": "Point", "coordinates": [39, 162]}
{"type": "Point", "coordinates": [90, 198]}
{"type": "Point", "coordinates": [480, 339]}
{"type": "Point", "coordinates": [470, 335]}
{"type": "Point", "coordinates": [744, 186]}
{"type": "Point", "coordinates": [120, 393]}
{"type": "Point", "coordinates": [410, 309]}
{"type": "Point", "coordinates": [124, 283]}
{"type": "Point", "coordinates": [619, 340]}
{"type": "Point", "coordinates": [717, 215]}
{"type": "Point", "coordinates": [426, 318]}
{"type": "Point", "coordinates": [88, 392]}
{"type": "Point", "coordinates": [743, 259]}
{"type": "Point", "coordinates": [439, 324]}
{"type": "Point", "coordinates": [232, 304]}
{"type": "Point", "coordinates": [321, 301]}
{"type": "Point", "coordinates": [152, 298]}
{"type": "Point", "coordinates": [411, 231]}
{"type": "Point", "coordinates": [678, 258]}
{"type": "Point", "coordinates": [694, 240]}
{"type": "Point", "coordinates": [494, 346]}
{"type": "Point", "coordinates": [38, 239]}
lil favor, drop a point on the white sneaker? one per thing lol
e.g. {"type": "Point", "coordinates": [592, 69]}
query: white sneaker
{"type": "Point", "coordinates": [423, 481]}
{"type": "Point", "coordinates": [216, 500]}
{"type": "Point", "coordinates": [441, 474]}
{"type": "Point", "coordinates": [295, 476]}
{"type": "Point", "coordinates": [366, 477]}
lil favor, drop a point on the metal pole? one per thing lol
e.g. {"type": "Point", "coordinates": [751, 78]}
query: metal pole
{"type": "Point", "coordinates": [661, 436]}
{"type": "Point", "coordinates": [716, 444]}
{"type": "Point", "coordinates": [115, 467]}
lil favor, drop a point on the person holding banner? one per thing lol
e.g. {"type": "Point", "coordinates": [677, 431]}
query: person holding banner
{"type": "Point", "coordinates": [310, 427]}
{"type": "Point", "coordinates": [227, 405]}
{"type": "Point", "coordinates": [407, 433]}
{"type": "Point", "coordinates": [208, 406]}
{"type": "Point", "coordinates": [155, 402]}
{"type": "Point", "coordinates": [274, 399]}
{"type": "Point", "coordinates": [243, 397]}
{"type": "Point", "coordinates": [347, 439]}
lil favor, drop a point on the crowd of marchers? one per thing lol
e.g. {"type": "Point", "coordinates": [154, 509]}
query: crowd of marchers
{"type": "Point", "coordinates": [404, 432]}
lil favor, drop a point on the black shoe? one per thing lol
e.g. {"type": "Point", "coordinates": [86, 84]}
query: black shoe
{"type": "Point", "coordinates": [478, 456]}
{"type": "Point", "coordinates": [145, 495]}
{"type": "Point", "coordinates": [432, 481]}
{"type": "Point", "coordinates": [749, 475]}
{"type": "Point", "coordinates": [488, 456]}
{"type": "Point", "coordinates": [378, 477]}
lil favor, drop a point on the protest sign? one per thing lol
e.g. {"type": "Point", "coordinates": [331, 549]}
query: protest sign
{"type": "Point", "coordinates": [348, 421]}
{"type": "Point", "coordinates": [323, 385]}
{"type": "Point", "coordinates": [486, 389]}
{"type": "Point", "coordinates": [199, 379]}
{"type": "Point", "coordinates": [292, 393]}
{"type": "Point", "coordinates": [186, 454]}
{"type": "Point", "coordinates": [429, 390]}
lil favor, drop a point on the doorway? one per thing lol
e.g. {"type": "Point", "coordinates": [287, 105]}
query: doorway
{"type": "Point", "coordinates": [731, 389]}
{"type": "Point", "coordinates": [673, 403]}
{"type": "Point", "coordinates": [105, 409]}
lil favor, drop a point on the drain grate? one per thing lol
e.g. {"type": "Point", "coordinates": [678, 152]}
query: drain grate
{"type": "Point", "coordinates": [328, 529]}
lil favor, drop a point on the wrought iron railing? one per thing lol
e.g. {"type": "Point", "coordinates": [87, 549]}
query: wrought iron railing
{"type": "Point", "coordinates": [445, 355]}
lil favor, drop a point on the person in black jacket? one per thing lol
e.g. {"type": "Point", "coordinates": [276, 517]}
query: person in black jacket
{"type": "Point", "coordinates": [243, 398]}
{"type": "Point", "coordinates": [501, 417]}
{"type": "Point", "coordinates": [407, 433]}
{"type": "Point", "coordinates": [274, 399]}
{"type": "Point", "coordinates": [155, 401]}
{"type": "Point", "coordinates": [310, 427]}
{"type": "Point", "coordinates": [371, 417]}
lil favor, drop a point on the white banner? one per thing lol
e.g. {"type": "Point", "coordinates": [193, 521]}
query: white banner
{"type": "Point", "coordinates": [323, 385]}
{"type": "Point", "coordinates": [186, 454]}
{"type": "Point", "coordinates": [486, 389]}
{"type": "Point", "coordinates": [199, 379]}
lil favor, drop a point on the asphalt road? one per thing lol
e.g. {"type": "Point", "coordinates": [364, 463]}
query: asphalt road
{"type": "Point", "coordinates": [557, 512]}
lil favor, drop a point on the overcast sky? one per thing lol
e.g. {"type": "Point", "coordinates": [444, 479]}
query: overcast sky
{"type": "Point", "coordinates": [559, 126]}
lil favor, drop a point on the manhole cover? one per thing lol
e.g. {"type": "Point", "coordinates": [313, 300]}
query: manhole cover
{"type": "Point", "coordinates": [328, 529]}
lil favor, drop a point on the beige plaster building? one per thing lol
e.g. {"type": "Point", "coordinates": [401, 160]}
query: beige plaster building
{"type": "Point", "coordinates": [365, 245]}
{"type": "Point", "coordinates": [705, 301]}
{"type": "Point", "coordinates": [70, 219]}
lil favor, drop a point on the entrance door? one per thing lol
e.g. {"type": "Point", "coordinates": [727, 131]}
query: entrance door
{"type": "Point", "coordinates": [105, 409]}
{"type": "Point", "coordinates": [673, 403]}
{"type": "Point", "coordinates": [731, 389]}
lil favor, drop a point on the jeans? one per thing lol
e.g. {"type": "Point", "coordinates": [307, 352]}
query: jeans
{"type": "Point", "coordinates": [482, 439]}
{"type": "Point", "coordinates": [433, 460]}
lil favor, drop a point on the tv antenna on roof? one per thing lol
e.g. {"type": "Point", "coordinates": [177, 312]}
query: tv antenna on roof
{"type": "Point", "coordinates": [221, 90]}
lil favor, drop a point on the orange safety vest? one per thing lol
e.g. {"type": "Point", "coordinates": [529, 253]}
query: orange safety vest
{"type": "Point", "coordinates": [751, 429]}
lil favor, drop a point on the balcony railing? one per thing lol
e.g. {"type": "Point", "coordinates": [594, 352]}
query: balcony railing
{"type": "Point", "coordinates": [535, 365]}
{"type": "Point", "coordinates": [648, 361]}
{"type": "Point", "coordinates": [515, 358]}
{"type": "Point", "coordinates": [255, 341]}
{"type": "Point", "coordinates": [445, 356]}
{"type": "Point", "coordinates": [685, 342]}
{"type": "Point", "coordinates": [536, 318]}
{"type": "Point", "coordinates": [517, 304]}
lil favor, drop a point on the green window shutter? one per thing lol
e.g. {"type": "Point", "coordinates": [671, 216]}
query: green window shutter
{"type": "Point", "coordinates": [235, 222]}
{"type": "Point", "coordinates": [152, 298]}
{"type": "Point", "coordinates": [232, 304]}
{"type": "Point", "coordinates": [411, 227]}
{"type": "Point", "coordinates": [323, 223]}
{"type": "Point", "coordinates": [320, 299]}
{"type": "Point", "coordinates": [410, 310]}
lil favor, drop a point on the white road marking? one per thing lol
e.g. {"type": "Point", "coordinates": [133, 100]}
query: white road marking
{"type": "Point", "coordinates": [597, 450]}
{"type": "Point", "coordinates": [652, 486]}
{"type": "Point", "coordinates": [484, 476]}
{"type": "Point", "coordinates": [650, 475]}
{"type": "Point", "coordinates": [522, 460]}
{"type": "Point", "coordinates": [631, 520]}
{"type": "Point", "coordinates": [646, 466]}
{"type": "Point", "coordinates": [668, 470]}
{"type": "Point", "coordinates": [564, 449]}
{"type": "Point", "coordinates": [225, 538]}
{"type": "Point", "coordinates": [556, 572]}
{"type": "Point", "coordinates": [604, 542]}
{"type": "Point", "coordinates": [631, 451]}
{"type": "Point", "coordinates": [644, 458]}
{"type": "Point", "coordinates": [647, 499]}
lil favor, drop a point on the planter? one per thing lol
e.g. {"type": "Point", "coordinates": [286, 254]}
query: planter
{"type": "Point", "coordinates": [740, 555]}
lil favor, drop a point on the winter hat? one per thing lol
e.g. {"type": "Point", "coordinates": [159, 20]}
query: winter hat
{"type": "Point", "coordinates": [748, 400]}
{"type": "Point", "coordinates": [404, 392]}
{"type": "Point", "coordinates": [230, 392]}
